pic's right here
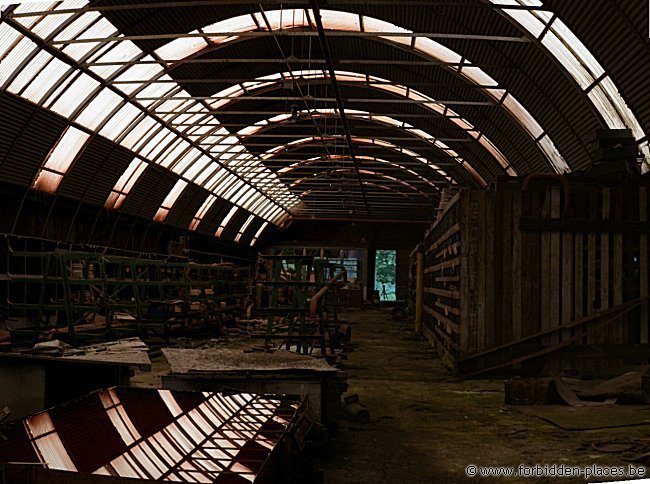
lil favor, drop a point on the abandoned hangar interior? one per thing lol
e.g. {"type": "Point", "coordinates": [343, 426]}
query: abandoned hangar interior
{"type": "Point", "coordinates": [323, 241]}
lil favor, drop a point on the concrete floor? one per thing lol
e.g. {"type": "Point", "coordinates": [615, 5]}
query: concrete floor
{"type": "Point", "coordinates": [427, 427]}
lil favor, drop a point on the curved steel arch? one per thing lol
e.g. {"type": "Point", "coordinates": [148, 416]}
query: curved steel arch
{"type": "Point", "coordinates": [388, 121]}
{"type": "Point", "coordinates": [273, 152]}
{"type": "Point", "coordinates": [325, 173]}
{"type": "Point", "coordinates": [183, 49]}
{"type": "Point", "coordinates": [270, 82]}
{"type": "Point", "coordinates": [310, 161]}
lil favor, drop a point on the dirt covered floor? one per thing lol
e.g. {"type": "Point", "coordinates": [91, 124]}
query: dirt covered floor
{"type": "Point", "coordinates": [426, 426]}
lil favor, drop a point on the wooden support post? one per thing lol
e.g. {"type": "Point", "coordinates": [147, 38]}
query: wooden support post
{"type": "Point", "coordinates": [604, 260]}
{"type": "Point", "coordinates": [517, 330]}
{"type": "Point", "coordinates": [545, 271]}
{"type": "Point", "coordinates": [567, 281]}
{"type": "Point", "coordinates": [643, 265]}
{"type": "Point", "coordinates": [419, 292]}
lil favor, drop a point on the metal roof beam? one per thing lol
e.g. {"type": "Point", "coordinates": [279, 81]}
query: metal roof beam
{"type": "Point", "coordinates": [292, 33]}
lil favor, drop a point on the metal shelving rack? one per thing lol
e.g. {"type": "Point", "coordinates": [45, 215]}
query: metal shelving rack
{"type": "Point", "coordinates": [56, 291]}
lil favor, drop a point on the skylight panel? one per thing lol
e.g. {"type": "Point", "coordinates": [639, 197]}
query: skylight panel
{"type": "Point", "coordinates": [243, 228]}
{"type": "Point", "coordinates": [170, 200]}
{"type": "Point", "coordinates": [46, 80]}
{"type": "Point", "coordinates": [15, 58]}
{"type": "Point", "coordinates": [220, 182]}
{"type": "Point", "coordinates": [559, 164]}
{"type": "Point", "coordinates": [522, 116]}
{"type": "Point", "coordinates": [185, 161]}
{"type": "Point", "coordinates": [494, 151]}
{"type": "Point", "coordinates": [77, 26]}
{"type": "Point", "coordinates": [241, 193]}
{"type": "Point", "coordinates": [157, 143]}
{"type": "Point", "coordinates": [335, 20]}
{"type": "Point", "coordinates": [249, 198]}
{"type": "Point", "coordinates": [101, 29]}
{"type": "Point", "coordinates": [126, 182]}
{"type": "Point", "coordinates": [606, 108]}
{"type": "Point", "coordinates": [375, 25]}
{"type": "Point", "coordinates": [586, 58]}
{"type": "Point", "coordinates": [437, 51]}
{"type": "Point", "coordinates": [207, 205]}
{"type": "Point", "coordinates": [242, 23]}
{"type": "Point", "coordinates": [182, 47]}
{"type": "Point", "coordinates": [533, 25]}
{"type": "Point", "coordinates": [478, 76]}
{"type": "Point", "coordinates": [119, 121]}
{"type": "Point", "coordinates": [122, 51]}
{"type": "Point", "coordinates": [568, 59]}
{"type": "Point", "coordinates": [259, 233]}
{"type": "Point", "coordinates": [8, 38]}
{"type": "Point", "coordinates": [99, 108]}
{"type": "Point", "coordinates": [198, 166]}
{"type": "Point", "coordinates": [137, 74]}
{"type": "Point", "coordinates": [50, 24]}
{"type": "Point", "coordinates": [210, 172]}
{"type": "Point", "coordinates": [28, 72]}
{"type": "Point", "coordinates": [623, 110]}
{"type": "Point", "coordinates": [155, 89]}
{"type": "Point", "coordinates": [75, 95]}
{"type": "Point", "coordinates": [170, 155]}
{"type": "Point", "coordinates": [225, 221]}
{"type": "Point", "coordinates": [284, 19]}
{"type": "Point", "coordinates": [29, 7]}
{"type": "Point", "coordinates": [139, 132]}
{"type": "Point", "coordinates": [58, 161]}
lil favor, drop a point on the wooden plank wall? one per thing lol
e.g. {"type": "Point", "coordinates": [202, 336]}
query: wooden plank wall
{"type": "Point", "coordinates": [502, 264]}
{"type": "Point", "coordinates": [441, 310]}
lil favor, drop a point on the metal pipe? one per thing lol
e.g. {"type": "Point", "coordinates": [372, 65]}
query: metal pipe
{"type": "Point", "coordinates": [313, 301]}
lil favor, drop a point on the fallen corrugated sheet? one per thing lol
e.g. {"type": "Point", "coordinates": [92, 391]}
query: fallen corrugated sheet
{"type": "Point", "coordinates": [187, 437]}
{"type": "Point", "coordinates": [217, 360]}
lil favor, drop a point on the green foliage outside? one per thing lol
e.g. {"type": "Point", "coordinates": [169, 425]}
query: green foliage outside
{"type": "Point", "coordinates": [385, 273]}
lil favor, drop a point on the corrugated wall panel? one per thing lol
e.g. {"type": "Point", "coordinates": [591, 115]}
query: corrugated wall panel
{"type": "Point", "coordinates": [94, 174]}
{"type": "Point", "coordinates": [214, 216]}
{"type": "Point", "coordinates": [32, 143]}
{"type": "Point", "coordinates": [149, 192]}
{"type": "Point", "coordinates": [186, 206]}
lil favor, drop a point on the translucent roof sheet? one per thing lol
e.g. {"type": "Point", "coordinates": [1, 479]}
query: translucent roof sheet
{"type": "Point", "coordinates": [75, 95]}
{"type": "Point", "coordinates": [66, 150]}
{"type": "Point", "coordinates": [579, 62]}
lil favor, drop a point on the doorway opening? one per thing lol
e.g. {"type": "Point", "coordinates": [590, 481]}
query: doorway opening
{"type": "Point", "coordinates": [386, 274]}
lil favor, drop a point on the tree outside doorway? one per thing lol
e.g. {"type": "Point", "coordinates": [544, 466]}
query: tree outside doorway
{"type": "Point", "coordinates": [385, 274]}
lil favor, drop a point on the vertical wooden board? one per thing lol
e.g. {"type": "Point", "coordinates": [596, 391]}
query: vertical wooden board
{"type": "Point", "coordinates": [504, 296]}
{"type": "Point", "coordinates": [604, 262]}
{"type": "Point", "coordinates": [591, 279]}
{"type": "Point", "coordinates": [578, 276]}
{"type": "Point", "coordinates": [481, 283]}
{"type": "Point", "coordinates": [545, 271]}
{"type": "Point", "coordinates": [617, 281]}
{"type": "Point", "coordinates": [465, 297]}
{"type": "Point", "coordinates": [516, 265]}
{"type": "Point", "coordinates": [643, 265]}
{"type": "Point", "coordinates": [567, 309]}
{"type": "Point", "coordinates": [617, 267]}
{"type": "Point", "coordinates": [534, 299]}
{"type": "Point", "coordinates": [490, 268]}
{"type": "Point", "coordinates": [555, 264]}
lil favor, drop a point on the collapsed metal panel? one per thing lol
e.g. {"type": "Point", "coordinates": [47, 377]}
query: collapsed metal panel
{"type": "Point", "coordinates": [186, 437]}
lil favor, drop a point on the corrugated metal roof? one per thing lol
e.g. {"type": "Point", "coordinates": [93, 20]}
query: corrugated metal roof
{"type": "Point", "coordinates": [615, 33]}
{"type": "Point", "coordinates": [202, 437]}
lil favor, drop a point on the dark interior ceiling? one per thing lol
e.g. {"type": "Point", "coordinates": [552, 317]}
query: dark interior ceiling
{"type": "Point", "coordinates": [388, 178]}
